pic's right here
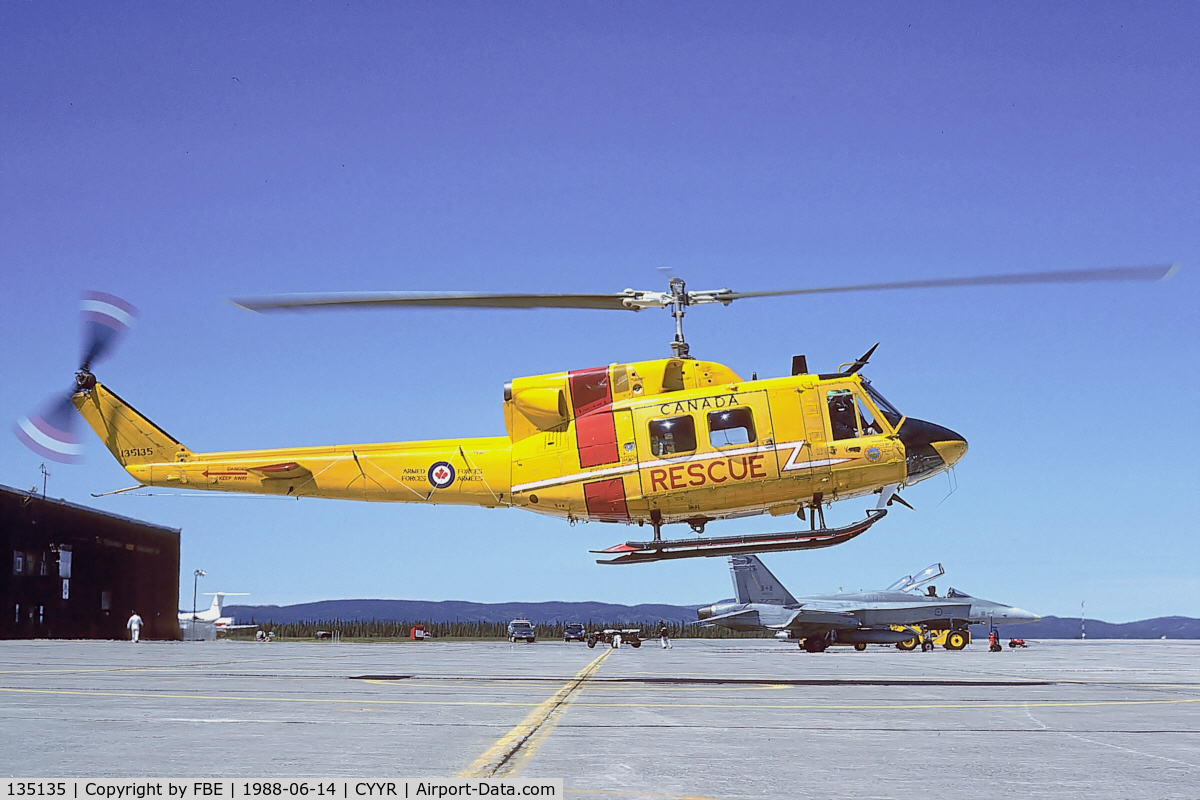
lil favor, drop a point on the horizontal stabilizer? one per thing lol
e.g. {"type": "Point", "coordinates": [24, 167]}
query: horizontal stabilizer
{"type": "Point", "coordinates": [289, 471]}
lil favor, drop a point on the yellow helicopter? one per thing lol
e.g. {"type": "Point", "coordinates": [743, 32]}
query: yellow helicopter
{"type": "Point", "coordinates": [673, 440]}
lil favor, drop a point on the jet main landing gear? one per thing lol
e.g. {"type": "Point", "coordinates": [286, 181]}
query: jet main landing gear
{"type": "Point", "coordinates": [957, 639]}
{"type": "Point", "coordinates": [815, 644]}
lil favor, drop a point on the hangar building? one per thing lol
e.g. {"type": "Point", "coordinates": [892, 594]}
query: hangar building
{"type": "Point", "coordinates": [76, 573]}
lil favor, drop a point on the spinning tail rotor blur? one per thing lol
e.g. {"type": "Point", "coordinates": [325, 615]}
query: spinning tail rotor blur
{"type": "Point", "coordinates": [52, 432]}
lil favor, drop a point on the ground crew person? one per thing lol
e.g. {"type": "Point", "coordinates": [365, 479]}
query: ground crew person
{"type": "Point", "coordinates": [663, 638]}
{"type": "Point", "coordinates": [135, 626]}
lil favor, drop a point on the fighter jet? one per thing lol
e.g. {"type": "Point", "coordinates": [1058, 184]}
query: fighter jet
{"type": "Point", "coordinates": [857, 618]}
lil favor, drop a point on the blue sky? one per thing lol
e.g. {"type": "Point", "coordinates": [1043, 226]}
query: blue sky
{"type": "Point", "coordinates": [178, 155]}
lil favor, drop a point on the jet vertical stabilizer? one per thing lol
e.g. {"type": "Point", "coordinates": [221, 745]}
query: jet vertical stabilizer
{"type": "Point", "coordinates": [754, 583]}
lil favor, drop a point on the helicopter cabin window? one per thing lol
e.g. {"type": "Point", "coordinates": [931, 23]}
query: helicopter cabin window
{"type": "Point", "coordinates": [869, 426]}
{"type": "Point", "coordinates": [843, 422]}
{"type": "Point", "coordinates": [672, 435]}
{"type": "Point", "coordinates": [887, 409]}
{"type": "Point", "coordinates": [731, 426]}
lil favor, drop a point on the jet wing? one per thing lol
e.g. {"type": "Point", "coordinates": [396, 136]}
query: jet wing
{"type": "Point", "coordinates": [873, 612]}
{"type": "Point", "coordinates": [900, 613]}
{"type": "Point", "coordinates": [811, 614]}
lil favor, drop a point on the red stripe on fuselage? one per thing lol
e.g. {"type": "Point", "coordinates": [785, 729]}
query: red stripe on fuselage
{"type": "Point", "coordinates": [606, 501]}
{"type": "Point", "coordinates": [595, 429]}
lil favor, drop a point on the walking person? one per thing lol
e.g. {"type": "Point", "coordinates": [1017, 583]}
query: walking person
{"type": "Point", "coordinates": [663, 637]}
{"type": "Point", "coordinates": [135, 626]}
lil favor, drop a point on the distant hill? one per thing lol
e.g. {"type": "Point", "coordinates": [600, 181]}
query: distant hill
{"type": "Point", "coordinates": [1068, 628]}
{"type": "Point", "coordinates": [556, 612]}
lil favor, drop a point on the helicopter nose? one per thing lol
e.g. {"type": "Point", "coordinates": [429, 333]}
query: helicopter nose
{"type": "Point", "coordinates": [930, 448]}
{"type": "Point", "coordinates": [951, 450]}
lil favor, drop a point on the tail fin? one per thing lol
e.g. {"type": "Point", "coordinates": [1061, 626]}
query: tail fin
{"type": "Point", "coordinates": [754, 583]}
{"type": "Point", "coordinates": [217, 609]}
{"type": "Point", "coordinates": [129, 436]}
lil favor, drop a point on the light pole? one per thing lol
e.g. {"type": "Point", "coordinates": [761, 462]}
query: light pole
{"type": "Point", "coordinates": [195, 585]}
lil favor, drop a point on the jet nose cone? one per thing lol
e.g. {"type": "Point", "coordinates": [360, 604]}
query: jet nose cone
{"type": "Point", "coordinates": [1021, 615]}
{"type": "Point", "coordinates": [930, 448]}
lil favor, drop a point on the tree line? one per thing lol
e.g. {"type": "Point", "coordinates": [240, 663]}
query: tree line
{"type": "Point", "coordinates": [400, 629]}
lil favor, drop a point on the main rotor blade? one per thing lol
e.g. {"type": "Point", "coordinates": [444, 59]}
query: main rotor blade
{"type": "Point", "coordinates": [613, 302]}
{"type": "Point", "coordinates": [1146, 273]}
{"type": "Point", "coordinates": [633, 300]}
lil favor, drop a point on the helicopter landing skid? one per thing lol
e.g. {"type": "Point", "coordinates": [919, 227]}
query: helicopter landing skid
{"type": "Point", "coordinates": [710, 546]}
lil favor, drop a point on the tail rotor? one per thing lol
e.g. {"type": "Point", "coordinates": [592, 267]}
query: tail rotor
{"type": "Point", "coordinates": [53, 432]}
{"type": "Point", "coordinates": [105, 320]}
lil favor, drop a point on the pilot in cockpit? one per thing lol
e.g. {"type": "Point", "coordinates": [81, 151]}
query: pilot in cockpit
{"type": "Point", "coordinates": [841, 416]}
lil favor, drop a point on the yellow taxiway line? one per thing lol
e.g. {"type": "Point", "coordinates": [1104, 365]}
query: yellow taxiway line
{"type": "Point", "coordinates": [508, 756]}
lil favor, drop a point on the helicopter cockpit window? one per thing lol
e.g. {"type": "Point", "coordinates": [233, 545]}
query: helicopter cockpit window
{"type": "Point", "coordinates": [731, 426]}
{"type": "Point", "coordinates": [869, 426]}
{"type": "Point", "coordinates": [673, 435]}
{"type": "Point", "coordinates": [887, 409]}
{"type": "Point", "coordinates": [842, 419]}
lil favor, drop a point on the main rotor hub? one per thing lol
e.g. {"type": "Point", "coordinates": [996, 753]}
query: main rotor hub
{"type": "Point", "coordinates": [678, 302]}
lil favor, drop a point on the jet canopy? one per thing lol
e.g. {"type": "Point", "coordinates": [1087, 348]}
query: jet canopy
{"type": "Point", "coordinates": [910, 582]}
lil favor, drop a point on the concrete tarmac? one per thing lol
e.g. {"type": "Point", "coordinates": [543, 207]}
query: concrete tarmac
{"type": "Point", "coordinates": [707, 719]}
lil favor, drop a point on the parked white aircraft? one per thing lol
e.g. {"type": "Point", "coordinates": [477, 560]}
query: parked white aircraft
{"type": "Point", "coordinates": [213, 616]}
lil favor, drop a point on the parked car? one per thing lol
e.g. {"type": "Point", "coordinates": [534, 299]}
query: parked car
{"type": "Point", "coordinates": [521, 629]}
{"type": "Point", "coordinates": [574, 632]}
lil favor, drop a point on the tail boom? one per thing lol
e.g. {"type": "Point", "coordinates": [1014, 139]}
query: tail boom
{"type": "Point", "coordinates": [455, 472]}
